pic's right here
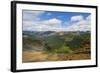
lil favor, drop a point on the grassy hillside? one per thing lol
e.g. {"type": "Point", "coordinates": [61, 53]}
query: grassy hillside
{"type": "Point", "coordinates": [59, 45]}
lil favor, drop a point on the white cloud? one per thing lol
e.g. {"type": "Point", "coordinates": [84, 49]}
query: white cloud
{"type": "Point", "coordinates": [79, 27]}
{"type": "Point", "coordinates": [27, 25]}
{"type": "Point", "coordinates": [30, 19]}
{"type": "Point", "coordinates": [55, 24]}
{"type": "Point", "coordinates": [31, 15]}
{"type": "Point", "coordinates": [88, 17]}
{"type": "Point", "coordinates": [52, 22]}
{"type": "Point", "coordinates": [47, 25]}
{"type": "Point", "coordinates": [49, 13]}
{"type": "Point", "coordinates": [76, 18]}
{"type": "Point", "coordinates": [82, 25]}
{"type": "Point", "coordinates": [31, 22]}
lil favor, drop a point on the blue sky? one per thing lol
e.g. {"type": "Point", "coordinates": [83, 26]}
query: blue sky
{"type": "Point", "coordinates": [55, 21]}
{"type": "Point", "coordinates": [64, 16]}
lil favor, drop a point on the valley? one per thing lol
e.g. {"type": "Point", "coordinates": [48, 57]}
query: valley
{"type": "Point", "coordinates": [56, 46]}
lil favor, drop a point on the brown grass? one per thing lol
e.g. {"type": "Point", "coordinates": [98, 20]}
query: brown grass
{"type": "Point", "coordinates": [31, 56]}
{"type": "Point", "coordinates": [34, 56]}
